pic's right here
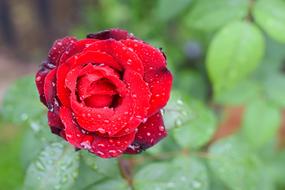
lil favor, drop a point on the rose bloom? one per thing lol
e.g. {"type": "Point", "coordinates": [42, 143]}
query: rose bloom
{"type": "Point", "coordinates": [105, 93]}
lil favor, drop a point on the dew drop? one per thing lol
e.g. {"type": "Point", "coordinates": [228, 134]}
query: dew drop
{"type": "Point", "coordinates": [101, 130]}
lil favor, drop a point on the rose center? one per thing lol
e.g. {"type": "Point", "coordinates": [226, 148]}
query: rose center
{"type": "Point", "coordinates": [99, 93]}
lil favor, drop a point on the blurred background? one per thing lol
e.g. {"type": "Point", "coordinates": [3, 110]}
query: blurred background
{"type": "Point", "coordinates": [227, 56]}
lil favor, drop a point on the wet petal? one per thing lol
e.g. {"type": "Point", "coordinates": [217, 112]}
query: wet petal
{"type": "Point", "coordinates": [40, 79]}
{"type": "Point", "coordinates": [107, 147]}
{"type": "Point", "coordinates": [149, 133]}
{"type": "Point", "coordinates": [156, 74]}
{"type": "Point", "coordinates": [151, 57]}
{"type": "Point", "coordinates": [160, 83]}
{"type": "Point", "coordinates": [124, 55]}
{"type": "Point", "coordinates": [115, 33]}
{"type": "Point", "coordinates": [58, 48]}
{"type": "Point", "coordinates": [49, 88]}
{"type": "Point", "coordinates": [72, 132]}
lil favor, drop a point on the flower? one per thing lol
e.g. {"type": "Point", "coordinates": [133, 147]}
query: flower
{"type": "Point", "coordinates": [105, 93]}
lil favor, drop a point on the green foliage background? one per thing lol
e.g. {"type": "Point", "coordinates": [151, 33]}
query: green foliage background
{"type": "Point", "coordinates": [224, 55]}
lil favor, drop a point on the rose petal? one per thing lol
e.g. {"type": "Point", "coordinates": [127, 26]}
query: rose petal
{"type": "Point", "coordinates": [160, 83]}
{"type": "Point", "coordinates": [40, 78]}
{"type": "Point", "coordinates": [125, 117]}
{"type": "Point", "coordinates": [115, 33]}
{"type": "Point", "coordinates": [156, 74]}
{"type": "Point", "coordinates": [107, 147]}
{"type": "Point", "coordinates": [124, 55]}
{"type": "Point", "coordinates": [49, 88]}
{"type": "Point", "coordinates": [149, 133]}
{"type": "Point", "coordinates": [73, 135]}
{"type": "Point", "coordinates": [141, 96]}
{"type": "Point", "coordinates": [151, 57]}
{"type": "Point", "coordinates": [58, 48]}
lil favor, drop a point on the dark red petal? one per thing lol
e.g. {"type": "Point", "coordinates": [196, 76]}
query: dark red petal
{"type": "Point", "coordinates": [115, 33]}
{"type": "Point", "coordinates": [40, 79]}
{"type": "Point", "coordinates": [49, 88]}
{"type": "Point", "coordinates": [54, 119]}
{"type": "Point", "coordinates": [124, 55]}
{"type": "Point", "coordinates": [58, 48]}
{"type": "Point", "coordinates": [76, 48]}
{"type": "Point", "coordinates": [72, 132]}
{"type": "Point", "coordinates": [107, 147]}
{"type": "Point", "coordinates": [149, 133]}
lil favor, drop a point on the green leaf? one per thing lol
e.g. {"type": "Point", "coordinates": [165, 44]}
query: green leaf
{"type": "Point", "coordinates": [183, 173]}
{"type": "Point", "coordinates": [261, 122]}
{"type": "Point", "coordinates": [274, 85]}
{"type": "Point", "coordinates": [250, 90]}
{"type": "Point", "coordinates": [106, 167]}
{"type": "Point", "coordinates": [167, 9]}
{"type": "Point", "coordinates": [21, 102]}
{"type": "Point", "coordinates": [199, 128]}
{"type": "Point", "coordinates": [210, 15]}
{"type": "Point", "coordinates": [235, 164]}
{"type": "Point", "coordinates": [270, 15]}
{"type": "Point", "coordinates": [118, 184]}
{"type": "Point", "coordinates": [55, 168]}
{"type": "Point", "coordinates": [87, 177]}
{"type": "Point", "coordinates": [233, 54]}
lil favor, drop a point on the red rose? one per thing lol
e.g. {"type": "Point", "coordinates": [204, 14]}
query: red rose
{"type": "Point", "coordinates": [105, 93]}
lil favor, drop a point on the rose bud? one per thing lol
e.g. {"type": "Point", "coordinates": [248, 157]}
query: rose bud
{"type": "Point", "coordinates": [105, 93]}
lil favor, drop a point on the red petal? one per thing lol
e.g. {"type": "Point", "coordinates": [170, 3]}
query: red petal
{"type": "Point", "coordinates": [124, 118]}
{"type": "Point", "coordinates": [124, 55]}
{"type": "Point", "coordinates": [40, 78]}
{"type": "Point", "coordinates": [160, 82]}
{"type": "Point", "coordinates": [49, 88]}
{"type": "Point", "coordinates": [73, 135]}
{"type": "Point", "coordinates": [151, 57]}
{"type": "Point", "coordinates": [107, 147]}
{"type": "Point", "coordinates": [99, 101]}
{"type": "Point", "coordinates": [58, 48]}
{"type": "Point", "coordinates": [141, 95]}
{"type": "Point", "coordinates": [149, 133]}
{"type": "Point", "coordinates": [116, 34]}
{"type": "Point", "coordinates": [80, 59]}
{"type": "Point", "coordinates": [156, 74]}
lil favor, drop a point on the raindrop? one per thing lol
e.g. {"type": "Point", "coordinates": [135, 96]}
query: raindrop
{"type": "Point", "coordinates": [148, 134]}
{"type": "Point", "coordinates": [161, 128]}
{"type": "Point", "coordinates": [40, 166]}
{"type": "Point", "coordinates": [101, 130]}
{"type": "Point", "coordinates": [38, 78]}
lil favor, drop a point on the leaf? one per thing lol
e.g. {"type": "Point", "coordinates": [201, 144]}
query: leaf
{"type": "Point", "coordinates": [275, 88]}
{"type": "Point", "coordinates": [250, 90]}
{"type": "Point", "coordinates": [106, 167]}
{"type": "Point", "coordinates": [168, 9]}
{"type": "Point", "coordinates": [263, 119]}
{"type": "Point", "coordinates": [21, 102]}
{"type": "Point", "coordinates": [56, 167]}
{"type": "Point", "coordinates": [235, 164]}
{"type": "Point", "coordinates": [87, 177]}
{"type": "Point", "coordinates": [183, 173]}
{"type": "Point", "coordinates": [209, 15]}
{"type": "Point", "coordinates": [110, 184]}
{"type": "Point", "coordinates": [233, 54]}
{"type": "Point", "coordinates": [270, 15]}
{"type": "Point", "coordinates": [199, 128]}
